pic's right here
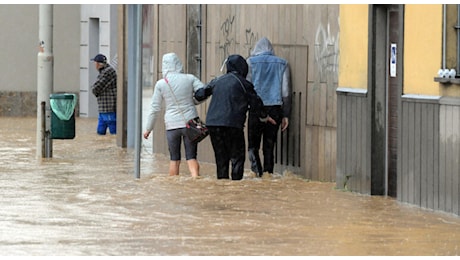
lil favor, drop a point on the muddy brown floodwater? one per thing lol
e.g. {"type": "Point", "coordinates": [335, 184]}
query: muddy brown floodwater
{"type": "Point", "coordinates": [85, 200]}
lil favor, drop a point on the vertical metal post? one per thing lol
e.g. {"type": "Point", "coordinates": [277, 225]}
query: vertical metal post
{"type": "Point", "coordinates": [44, 75]}
{"type": "Point", "coordinates": [138, 86]}
{"type": "Point", "coordinates": [43, 128]}
{"type": "Point", "coordinates": [444, 20]}
{"type": "Point", "coordinates": [458, 40]}
{"type": "Point", "coordinates": [200, 31]}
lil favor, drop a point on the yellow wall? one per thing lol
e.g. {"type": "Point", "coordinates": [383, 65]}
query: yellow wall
{"type": "Point", "coordinates": [353, 46]}
{"type": "Point", "coordinates": [422, 48]}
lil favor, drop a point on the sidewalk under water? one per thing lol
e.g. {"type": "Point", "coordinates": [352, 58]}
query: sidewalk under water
{"type": "Point", "coordinates": [85, 200]}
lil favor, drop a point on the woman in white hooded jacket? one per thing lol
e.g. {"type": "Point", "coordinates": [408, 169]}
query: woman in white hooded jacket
{"type": "Point", "coordinates": [176, 89]}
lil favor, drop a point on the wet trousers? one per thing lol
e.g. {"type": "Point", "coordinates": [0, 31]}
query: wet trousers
{"type": "Point", "coordinates": [266, 132]}
{"type": "Point", "coordinates": [105, 120]}
{"type": "Point", "coordinates": [229, 147]}
{"type": "Point", "coordinates": [175, 138]}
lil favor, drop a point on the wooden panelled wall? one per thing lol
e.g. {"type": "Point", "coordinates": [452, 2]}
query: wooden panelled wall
{"type": "Point", "coordinates": [428, 167]}
{"type": "Point", "coordinates": [353, 160]}
{"type": "Point", "coordinates": [448, 196]}
{"type": "Point", "coordinates": [306, 35]}
{"type": "Point", "coordinates": [418, 152]}
{"type": "Point", "coordinates": [428, 149]}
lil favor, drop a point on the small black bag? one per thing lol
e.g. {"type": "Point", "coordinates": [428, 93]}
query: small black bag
{"type": "Point", "coordinates": [196, 130]}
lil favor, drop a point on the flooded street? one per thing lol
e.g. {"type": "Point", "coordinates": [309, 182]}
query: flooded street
{"type": "Point", "coordinates": [85, 200]}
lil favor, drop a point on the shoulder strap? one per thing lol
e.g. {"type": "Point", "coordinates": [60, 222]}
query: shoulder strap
{"type": "Point", "coordinates": [174, 96]}
{"type": "Point", "coordinates": [244, 89]}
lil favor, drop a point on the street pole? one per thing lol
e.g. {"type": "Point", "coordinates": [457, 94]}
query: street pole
{"type": "Point", "coordinates": [44, 78]}
{"type": "Point", "coordinates": [138, 86]}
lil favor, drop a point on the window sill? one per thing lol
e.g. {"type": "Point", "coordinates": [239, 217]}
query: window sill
{"type": "Point", "coordinates": [447, 80]}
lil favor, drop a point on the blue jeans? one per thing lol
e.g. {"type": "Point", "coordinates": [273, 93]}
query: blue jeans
{"type": "Point", "coordinates": [105, 120]}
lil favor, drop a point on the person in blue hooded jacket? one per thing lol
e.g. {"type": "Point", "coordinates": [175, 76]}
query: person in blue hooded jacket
{"type": "Point", "coordinates": [271, 78]}
{"type": "Point", "coordinates": [232, 97]}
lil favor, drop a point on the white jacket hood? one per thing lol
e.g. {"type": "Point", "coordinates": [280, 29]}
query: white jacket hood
{"type": "Point", "coordinates": [171, 63]}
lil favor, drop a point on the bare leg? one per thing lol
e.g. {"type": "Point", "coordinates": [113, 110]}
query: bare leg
{"type": "Point", "coordinates": [174, 168]}
{"type": "Point", "coordinates": [194, 167]}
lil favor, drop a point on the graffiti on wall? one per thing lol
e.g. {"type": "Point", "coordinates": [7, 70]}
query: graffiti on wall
{"type": "Point", "coordinates": [251, 39]}
{"type": "Point", "coordinates": [326, 47]}
{"type": "Point", "coordinates": [327, 53]}
{"type": "Point", "coordinates": [225, 45]}
{"type": "Point", "coordinates": [226, 28]}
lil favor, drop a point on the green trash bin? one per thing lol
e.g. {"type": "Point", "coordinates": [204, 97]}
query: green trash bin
{"type": "Point", "coordinates": [62, 115]}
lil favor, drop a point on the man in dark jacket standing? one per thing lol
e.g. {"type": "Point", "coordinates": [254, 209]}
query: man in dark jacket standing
{"type": "Point", "coordinates": [105, 90]}
{"type": "Point", "coordinates": [232, 97]}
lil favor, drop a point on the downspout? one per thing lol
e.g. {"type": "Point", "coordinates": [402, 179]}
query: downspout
{"type": "Point", "coordinates": [443, 36]}
{"type": "Point", "coordinates": [458, 40]}
{"type": "Point", "coordinates": [199, 26]}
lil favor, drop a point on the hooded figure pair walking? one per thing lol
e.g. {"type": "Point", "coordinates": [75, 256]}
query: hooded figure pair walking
{"type": "Point", "coordinates": [232, 97]}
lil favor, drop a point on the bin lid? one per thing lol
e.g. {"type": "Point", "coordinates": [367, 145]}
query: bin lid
{"type": "Point", "coordinates": [62, 96]}
{"type": "Point", "coordinates": [63, 105]}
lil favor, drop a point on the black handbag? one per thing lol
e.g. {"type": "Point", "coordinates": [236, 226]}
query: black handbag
{"type": "Point", "coordinates": [196, 130]}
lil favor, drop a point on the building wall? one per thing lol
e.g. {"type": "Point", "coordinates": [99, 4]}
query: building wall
{"type": "Point", "coordinates": [429, 113]}
{"type": "Point", "coordinates": [306, 35]}
{"type": "Point", "coordinates": [18, 69]}
{"type": "Point", "coordinates": [353, 165]}
{"type": "Point", "coordinates": [418, 173]}
{"type": "Point", "coordinates": [98, 25]}
{"type": "Point", "coordinates": [18, 80]}
{"type": "Point", "coordinates": [353, 63]}
{"type": "Point", "coordinates": [422, 48]}
{"type": "Point", "coordinates": [448, 178]}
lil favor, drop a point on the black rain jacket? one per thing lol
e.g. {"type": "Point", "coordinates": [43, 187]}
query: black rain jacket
{"type": "Point", "coordinates": [232, 96]}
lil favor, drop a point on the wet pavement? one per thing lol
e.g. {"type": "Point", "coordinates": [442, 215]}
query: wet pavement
{"type": "Point", "coordinates": [85, 200]}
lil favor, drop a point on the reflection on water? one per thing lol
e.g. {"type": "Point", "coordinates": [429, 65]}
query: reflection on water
{"type": "Point", "coordinates": [85, 200]}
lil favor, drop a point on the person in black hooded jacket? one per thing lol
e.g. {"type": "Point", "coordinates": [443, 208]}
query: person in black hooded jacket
{"type": "Point", "coordinates": [232, 97]}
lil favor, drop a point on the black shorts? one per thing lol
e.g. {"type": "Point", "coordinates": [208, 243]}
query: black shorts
{"type": "Point", "coordinates": [175, 138]}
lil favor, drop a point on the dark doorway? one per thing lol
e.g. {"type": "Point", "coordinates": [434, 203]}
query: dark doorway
{"type": "Point", "coordinates": [385, 91]}
{"type": "Point", "coordinates": [394, 92]}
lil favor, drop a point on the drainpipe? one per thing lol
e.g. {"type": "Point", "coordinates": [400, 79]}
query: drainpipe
{"type": "Point", "coordinates": [44, 78]}
{"type": "Point", "coordinates": [443, 36]}
{"type": "Point", "coordinates": [458, 40]}
{"type": "Point", "coordinates": [199, 26]}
